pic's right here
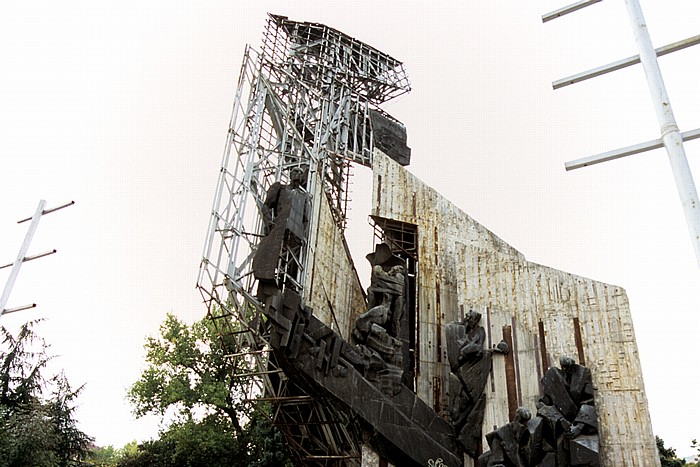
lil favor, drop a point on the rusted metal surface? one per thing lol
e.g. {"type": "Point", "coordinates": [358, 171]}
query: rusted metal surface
{"type": "Point", "coordinates": [515, 349]}
{"type": "Point", "coordinates": [543, 346]}
{"type": "Point", "coordinates": [438, 324]}
{"type": "Point", "coordinates": [477, 269]}
{"type": "Point", "coordinates": [579, 342]}
{"type": "Point", "coordinates": [489, 343]}
{"type": "Point", "coordinates": [437, 393]}
{"type": "Point", "coordinates": [510, 374]}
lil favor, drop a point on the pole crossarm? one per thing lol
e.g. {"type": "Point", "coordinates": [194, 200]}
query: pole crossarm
{"type": "Point", "coordinates": [29, 258]}
{"type": "Point", "coordinates": [20, 257]}
{"type": "Point", "coordinates": [47, 211]}
{"type": "Point", "coordinates": [19, 308]}
{"type": "Point", "coordinates": [568, 9]}
{"type": "Point", "coordinates": [627, 151]}
{"type": "Point", "coordinates": [624, 63]}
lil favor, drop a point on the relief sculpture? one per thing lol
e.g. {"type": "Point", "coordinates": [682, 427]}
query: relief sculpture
{"type": "Point", "coordinates": [376, 332]}
{"type": "Point", "coordinates": [470, 365]}
{"type": "Point", "coordinates": [564, 431]}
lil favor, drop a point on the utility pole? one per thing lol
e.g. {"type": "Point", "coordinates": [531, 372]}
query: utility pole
{"type": "Point", "coordinates": [22, 258]}
{"type": "Point", "coordinates": [671, 137]}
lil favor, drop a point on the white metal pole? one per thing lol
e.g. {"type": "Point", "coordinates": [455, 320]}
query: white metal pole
{"type": "Point", "coordinates": [20, 256]}
{"type": "Point", "coordinates": [670, 135]}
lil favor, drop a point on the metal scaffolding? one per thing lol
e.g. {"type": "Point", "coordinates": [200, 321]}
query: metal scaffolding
{"type": "Point", "coordinates": [304, 100]}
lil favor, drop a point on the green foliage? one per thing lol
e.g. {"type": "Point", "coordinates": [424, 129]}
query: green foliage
{"type": "Point", "coordinates": [186, 370]}
{"type": "Point", "coordinates": [205, 443]}
{"type": "Point", "coordinates": [103, 456]}
{"type": "Point", "coordinates": [188, 373]}
{"type": "Point", "coordinates": [668, 455]}
{"type": "Point", "coordinates": [37, 424]}
{"type": "Point", "coordinates": [109, 456]}
{"type": "Point", "coordinates": [695, 445]}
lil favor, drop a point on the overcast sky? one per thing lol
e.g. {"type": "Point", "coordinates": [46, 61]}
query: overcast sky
{"type": "Point", "coordinates": [124, 107]}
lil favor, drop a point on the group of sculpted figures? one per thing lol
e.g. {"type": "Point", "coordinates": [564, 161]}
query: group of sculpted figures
{"type": "Point", "coordinates": [564, 430]}
{"type": "Point", "coordinates": [562, 433]}
{"type": "Point", "coordinates": [377, 331]}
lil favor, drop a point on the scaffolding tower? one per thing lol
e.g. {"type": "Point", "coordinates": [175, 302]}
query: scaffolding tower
{"type": "Point", "coordinates": [306, 100]}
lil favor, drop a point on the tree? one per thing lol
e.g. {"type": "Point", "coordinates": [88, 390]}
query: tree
{"type": "Point", "coordinates": [109, 456]}
{"type": "Point", "coordinates": [695, 445]}
{"type": "Point", "coordinates": [668, 455]}
{"type": "Point", "coordinates": [189, 377]}
{"type": "Point", "coordinates": [37, 424]}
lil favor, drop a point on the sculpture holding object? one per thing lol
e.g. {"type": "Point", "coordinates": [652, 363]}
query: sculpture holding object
{"type": "Point", "coordinates": [564, 431]}
{"type": "Point", "coordinates": [470, 365]}
{"type": "Point", "coordinates": [376, 333]}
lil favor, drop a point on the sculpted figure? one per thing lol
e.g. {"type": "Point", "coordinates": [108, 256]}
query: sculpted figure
{"type": "Point", "coordinates": [569, 420]}
{"type": "Point", "coordinates": [284, 215]}
{"type": "Point", "coordinates": [387, 285]}
{"type": "Point", "coordinates": [377, 331]}
{"type": "Point", "coordinates": [471, 346]}
{"type": "Point", "coordinates": [568, 388]}
{"type": "Point", "coordinates": [510, 443]}
{"type": "Point", "coordinates": [387, 288]}
{"type": "Point", "coordinates": [279, 206]}
{"type": "Point", "coordinates": [470, 364]}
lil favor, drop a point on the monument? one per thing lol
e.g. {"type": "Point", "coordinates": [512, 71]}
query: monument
{"type": "Point", "coordinates": [448, 354]}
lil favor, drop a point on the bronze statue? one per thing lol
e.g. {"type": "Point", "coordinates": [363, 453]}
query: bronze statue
{"type": "Point", "coordinates": [284, 214]}
{"type": "Point", "coordinates": [470, 365]}
{"type": "Point", "coordinates": [388, 289]}
{"type": "Point", "coordinates": [510, 443]}
{"type": "Point", "coordinates": [376, 332]}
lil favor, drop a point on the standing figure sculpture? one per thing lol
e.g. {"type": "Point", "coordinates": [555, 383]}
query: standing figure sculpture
{"type": "Point", "coordinates": [470, 365]}
{"type": "Point", "coordinates": [284, 214]}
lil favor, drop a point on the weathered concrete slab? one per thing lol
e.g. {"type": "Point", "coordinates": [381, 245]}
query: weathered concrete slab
{"type": "Point", "coordinates": [548, 313]}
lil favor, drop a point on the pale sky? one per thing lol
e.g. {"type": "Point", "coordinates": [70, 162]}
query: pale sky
{"type": "Point", "coordinates": [124, 107]}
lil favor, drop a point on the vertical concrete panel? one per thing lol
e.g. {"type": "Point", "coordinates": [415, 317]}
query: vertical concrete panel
{"type": "Point", "coordinates": [336, 294]}
{"type": "Point", "coordinates": [473, 267]}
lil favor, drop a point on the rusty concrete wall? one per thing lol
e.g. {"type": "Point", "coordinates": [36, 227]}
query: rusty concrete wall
{"type": "Point", "coordinates": [543, 312]}
{"type": "Point", "coordinates": [332, 286]}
